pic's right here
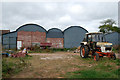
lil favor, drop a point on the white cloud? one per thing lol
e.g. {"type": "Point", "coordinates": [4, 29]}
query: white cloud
{"type": "Point", "coordinates": [65, 18]}
{"type": "Point", "coordinates": [58, 14]}
{"type": "Point", "coordinates": [76, 9]}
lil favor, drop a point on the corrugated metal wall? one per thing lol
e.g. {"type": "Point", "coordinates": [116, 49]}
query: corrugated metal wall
{"type": "Point", "coordinates": [55, 36]}
{"type": "Point", "coordinates": [73, 36]}
{"type": "Point", "coordinates": [9, 40]}
{"type": "Point", "coordinates": [113, 38]}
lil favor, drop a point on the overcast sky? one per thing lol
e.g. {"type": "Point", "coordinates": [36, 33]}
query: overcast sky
{"type": "Point", "coordinates": [58, 14]}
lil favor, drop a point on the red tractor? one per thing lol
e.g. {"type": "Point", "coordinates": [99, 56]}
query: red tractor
{"type": "Point", "coordinates": [95, 44]}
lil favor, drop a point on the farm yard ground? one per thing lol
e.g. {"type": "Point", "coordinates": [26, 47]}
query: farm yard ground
{"type": "Point", "coordinates": [68, 65]}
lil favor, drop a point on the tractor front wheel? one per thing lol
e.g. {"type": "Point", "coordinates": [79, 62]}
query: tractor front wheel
{"type": "Point", "coordinates": [84, 51]}
{"type": "Point", "coordinates": [96, 56]}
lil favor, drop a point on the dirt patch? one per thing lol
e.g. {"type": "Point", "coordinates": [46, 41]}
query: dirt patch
{"type": "Point", "coordinates": [43, 64]}
{"type": "Point", "coordinates": [55, 65]}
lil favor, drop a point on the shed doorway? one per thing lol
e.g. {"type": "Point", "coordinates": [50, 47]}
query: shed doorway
{"type": "Point", "coordinates": [19, 44]}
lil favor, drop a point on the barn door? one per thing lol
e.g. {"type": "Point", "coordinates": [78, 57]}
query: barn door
{"type": "Point", "coordinates": [19, 44]}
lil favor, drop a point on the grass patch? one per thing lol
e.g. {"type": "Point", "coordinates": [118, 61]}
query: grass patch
{"type": "Point", "coordinates": [92, 74]}
{"type": "Point", "coordinates": [12, 66]}
{"type": "Point", "coordinates": [117, 62]}
{"type": "Point", "coordinates": [104, 68]}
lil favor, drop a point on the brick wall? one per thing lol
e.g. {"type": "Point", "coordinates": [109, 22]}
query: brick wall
{"type": "Point", "coordinates": [56, 42]}
{"type": "Point", "coordinates": [4, 31]}
{"type": "Point", "coordinates": [28, 38]}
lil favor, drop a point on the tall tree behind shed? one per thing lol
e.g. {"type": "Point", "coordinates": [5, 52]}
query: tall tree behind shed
{"type": "Point", "coordinates": [108, 26]}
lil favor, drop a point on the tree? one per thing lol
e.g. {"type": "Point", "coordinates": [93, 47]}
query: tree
{"type": "Point", "coordinates": [108, 26]}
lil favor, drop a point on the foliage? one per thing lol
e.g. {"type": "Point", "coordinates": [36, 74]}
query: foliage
{"type": "Point", "coordinates": [108, 26]}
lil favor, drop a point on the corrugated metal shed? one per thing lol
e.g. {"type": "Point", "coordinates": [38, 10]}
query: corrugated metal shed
{"type": "Point", "coordinates": [55, 36]}
{"type": "Point", "coordinates": [73, 36]}
{"type": "Point", "coordinates": [31, 34]}
{"type": "Point", "coordinates": [54, 33]}
{"type": "Point", "coordinates": [10, 39]}
{"type": "Point", "coordinates": [113, 38]}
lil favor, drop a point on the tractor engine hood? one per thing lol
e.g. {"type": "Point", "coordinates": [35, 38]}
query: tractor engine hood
{"type": "Point", "coordinates": [104, 44]}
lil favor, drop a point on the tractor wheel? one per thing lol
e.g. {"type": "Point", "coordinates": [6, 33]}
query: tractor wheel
{"type": "Point", "coordinates": [96, 56]}
{"type": "Point", "coordinates": [113, 56]}
{"type": "Point", "coordinates": [84, 51]}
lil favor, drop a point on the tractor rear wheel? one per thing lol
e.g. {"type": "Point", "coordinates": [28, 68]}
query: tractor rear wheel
{"type": "Point", "coordinates": [96, 56]}
{"type": "Point", "coordinates": [113, 56]}
{"type": "Point", "coordinates": [84, 51]}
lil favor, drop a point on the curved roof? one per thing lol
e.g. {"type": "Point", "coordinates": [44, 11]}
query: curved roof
{"type": "Point", "coordinates": [75, 26]}
{"type": "Point", "coordinates": [54, 33]}
{"type": "Point", "coordinates": [31, 27]}
{"type": "Point", "coordinates": [39, 28]}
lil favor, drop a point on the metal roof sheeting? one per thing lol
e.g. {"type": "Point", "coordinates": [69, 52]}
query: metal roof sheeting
{"type": "Point", "coordinates": [54, 33]}
{"type": "Point", "coordinates": [31, 27]}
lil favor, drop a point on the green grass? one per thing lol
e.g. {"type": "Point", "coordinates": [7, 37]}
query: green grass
{"type": "Point", "coordinates": [104, 68]}
{"type": "Point", "coordinates": [92, 74]}
{"type": "Point", "coordinates": [11, 66]}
